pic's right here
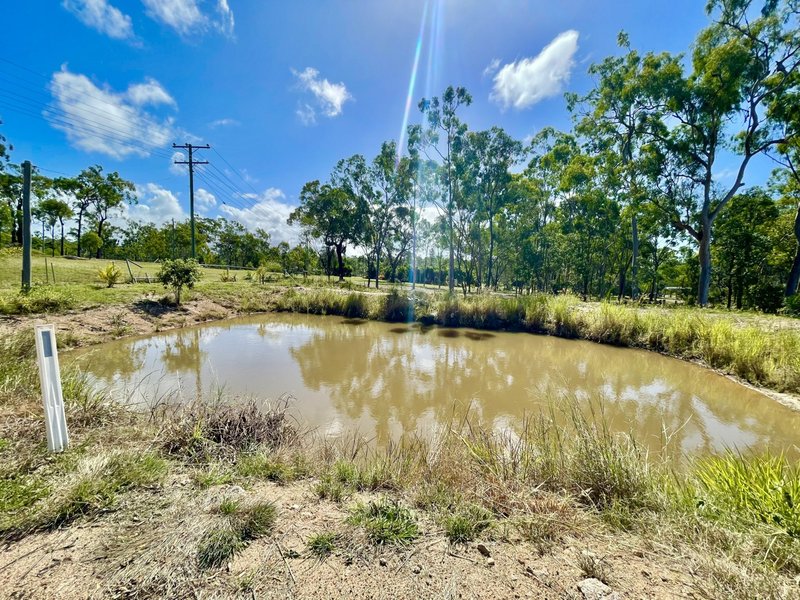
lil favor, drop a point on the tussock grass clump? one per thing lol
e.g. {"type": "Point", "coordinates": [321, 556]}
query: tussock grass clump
{"type": "Point", "coordinates": [328, 488]}
{"type": "Point", "coordinates": [323, 544]}
{"type": "Point", "coordinates": [270, 466]}
{"type": "Point", "coordinates": [257, 521]}
{"type": "Point", "coordinates": [205, 430]}
{"type": "Point", "coordinates": [466, 523]}
{"type": "Point", "coordinates": [398, 308]}
{"type": "Point", "coordinates": [218, 546]}
{"type": "Point", "coordinates": [87, 406]}
{"type": "Point", "coordinates": [40, 299]}
{"type": "Point", "coordinates": [356, 306]}
{"type": "Point", "coordinates": [385, 522]}
{"type": "Point", "coordinates": [594, 566]}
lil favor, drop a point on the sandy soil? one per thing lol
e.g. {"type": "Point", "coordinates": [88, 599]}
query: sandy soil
{"type": "Point", "coordinates": [136, 553]}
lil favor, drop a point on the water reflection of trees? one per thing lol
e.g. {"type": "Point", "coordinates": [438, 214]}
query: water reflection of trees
{"type": "Point", "coordinates": [392, 377]}
{"type": "Point", "coordinates": [396, 379]}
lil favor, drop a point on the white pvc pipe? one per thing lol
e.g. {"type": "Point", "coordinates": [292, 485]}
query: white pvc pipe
{"type": "Point", "coordinates": [52, 397]}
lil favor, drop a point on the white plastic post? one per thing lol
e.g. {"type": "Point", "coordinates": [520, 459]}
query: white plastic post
{"type": "Point", "coordinates": [52, 396]}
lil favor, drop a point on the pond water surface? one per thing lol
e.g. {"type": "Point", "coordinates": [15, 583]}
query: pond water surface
{"type": "Point", "coordinates": [384, 380]}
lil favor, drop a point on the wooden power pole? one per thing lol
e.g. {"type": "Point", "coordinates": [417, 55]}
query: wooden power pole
{"type": "Point", "coordinates": [26, 226]}
{"type": "Point", "coordinates": [191, 162]}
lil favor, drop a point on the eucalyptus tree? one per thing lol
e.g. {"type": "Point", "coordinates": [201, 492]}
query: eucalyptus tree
{"type": "Point", "coordinates": [612, 117]}
{"type": "Point", "coordinates": [446, 129]}
{"type": "Point", "coordinates": [742, 245]}
{"type": "Point", "coordinates": [331, 214]}
{"type": "Point", "coordinates": [96, 195]}
{"type": "Point", "coordinates": [542, 190]}
{"type": "Point", "coordinates": [488, 158]}
{"type": "Point", "coordinates": [385, 187]}
{"type": "Point", "coordinates": [55, 211]}
{"type": "Point", "coordinates": [742, 65]}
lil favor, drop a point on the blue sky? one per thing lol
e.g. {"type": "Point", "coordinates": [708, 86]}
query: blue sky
{"type": "Point", "coordinates": [282, 90]}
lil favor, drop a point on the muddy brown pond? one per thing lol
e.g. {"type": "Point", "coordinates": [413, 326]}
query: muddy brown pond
{"type": "Point", "coordinates": [384, 380]}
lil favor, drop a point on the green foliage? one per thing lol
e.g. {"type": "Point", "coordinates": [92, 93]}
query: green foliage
{"type": "Point", "coordinates": [179, 273]}
{"type": "Point", "coordinates": [91, 242]}
{"type": "Point", "coordinates": [110, 274]}
{"type": "Point", "coordinates": [760, 489]}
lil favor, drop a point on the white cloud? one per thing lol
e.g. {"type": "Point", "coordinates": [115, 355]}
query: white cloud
{"type": "Point", "coordinates": [523, 83]}
{"type": "Point", "coordinates": [176, 169]}
{"type": "Point", "coordinates": [269, 212]}
{"type": "Point", "coordinates": [204, 200]}
{"type": "Point", "coordinates": [100, 120]}
{"type": "Point", "coordinates": [329, 98]}
{"type": "Point", "coordinates": [155, 205]}
{"type": "Point", "coordinates": [149, 92]}
{"type": "Point", "coordinates": [185, 16]}
{"type": "Point", "coordinates": [225, 21]}
{"type": "Point", "coordinates": [100, 15]}
{"type": "Point", "coordinates": [223, 123]}
{"type": "Point", "coordinates": [492, 67]}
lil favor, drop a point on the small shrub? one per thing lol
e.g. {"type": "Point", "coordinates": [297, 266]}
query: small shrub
{"type": "Point", "coordinates": [111, 275]}
{"type": "Point", "coordinates": [322, 545]}
{"type": "Point", "coordinates": [217, 546]}
{"type": "Point", "coordinates": [385, 522]}
{"type": "Point", "coordinates": [179, 273]}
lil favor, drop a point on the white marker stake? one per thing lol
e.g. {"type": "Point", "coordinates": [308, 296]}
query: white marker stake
{"type": "Point", "coordinates": [52, 396]}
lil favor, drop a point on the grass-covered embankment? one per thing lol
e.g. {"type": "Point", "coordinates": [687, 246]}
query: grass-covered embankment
{"type": "Point", "coordinates": [192, 500]}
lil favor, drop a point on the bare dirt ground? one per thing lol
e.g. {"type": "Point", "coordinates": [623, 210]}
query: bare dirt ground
{"type": "Point", "coordinates": [140, 552]}
{"type": "Point", "coordinates": [103, 323]}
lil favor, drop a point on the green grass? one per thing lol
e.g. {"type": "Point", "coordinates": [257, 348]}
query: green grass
{"type": "Point", "coordinates": [257, 521]}
{"type": "Point", "coordinates": [218, 546]}
{"type": "Point", "coordinates": [268, 466]}
{"type": "Point", "coordinates": [229, 506]}
{"type": "Point", "coordinates": [385, 522]}
{"type": "Point", "coordinates": [323, 544]}
{"type": "Point", "coordinates": [467, 523]}
{"type": "Point", "coordinates": [83, 485]}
